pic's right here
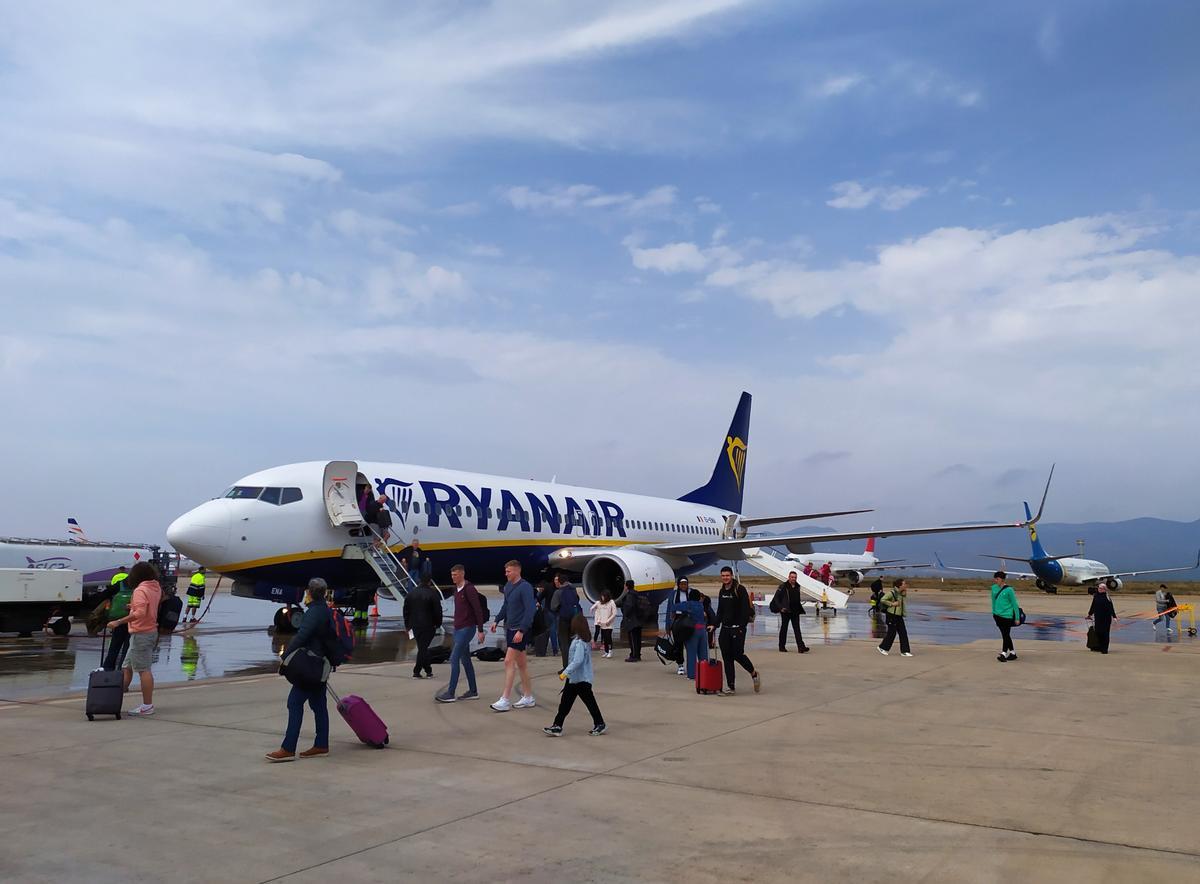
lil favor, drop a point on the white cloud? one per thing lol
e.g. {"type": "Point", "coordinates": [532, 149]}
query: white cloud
{"type": "Point", "coordinates": [853, 195]}
{"type": "Point", "coordinates": [577, 197]}
{"type": "Point", "coordinates": [678, 257]}
{"type": "Point", "coordinates": [831, 87]}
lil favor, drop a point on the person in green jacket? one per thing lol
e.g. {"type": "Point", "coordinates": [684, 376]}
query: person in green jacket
{"type": "Point", "coordinates": [896, 607]}
{"type": "Point", "coordinates": [1007, 614]}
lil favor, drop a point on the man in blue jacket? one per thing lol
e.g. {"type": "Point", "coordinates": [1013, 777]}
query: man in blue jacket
{"type": "Point", "coordinates": [315, 630]}
{"type": "Point", "coordinates": [517, 616]}
{"type": "Point", "coordinates": [568, 607]}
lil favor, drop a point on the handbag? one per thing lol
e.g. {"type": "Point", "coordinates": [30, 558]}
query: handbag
{"type": "Point", "coordinates": [305, 669]}
{"type": "Point", "coordinates": [1020, 617]}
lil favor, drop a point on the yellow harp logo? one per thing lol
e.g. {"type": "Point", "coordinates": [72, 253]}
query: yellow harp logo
{"type": "Point", "coordinates": [735, 450]}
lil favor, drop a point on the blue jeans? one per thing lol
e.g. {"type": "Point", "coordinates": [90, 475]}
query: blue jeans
{"type": "Point", "coordinates": [554, 636]}
{"type": "Point", "coordinates": [461, 653]}
{"type": "Point", "coordinates": [696, 648]}
{"type": "Point", "coordinates": [295, 704]}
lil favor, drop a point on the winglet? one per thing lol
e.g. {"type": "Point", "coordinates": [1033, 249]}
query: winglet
{"type": "Point", "coordinates": [1033, 520]}
{"type": "Point", "coordinates": [941, 564]}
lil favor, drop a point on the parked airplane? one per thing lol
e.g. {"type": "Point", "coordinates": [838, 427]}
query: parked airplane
{"type": "Point", "coordinates": [275, 529]}
{"type": "Point", "coordinates": [1050, 572]}
{"type": "Point", "coordinates": [852, 567]}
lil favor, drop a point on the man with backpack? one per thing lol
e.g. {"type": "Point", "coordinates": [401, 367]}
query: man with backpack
{"type": "Point", "coordinates": [423, 616]}
{"type": "Point", "coordinates": [316, 634]}
{"type": "Point", "coordinates": [1164, 602]}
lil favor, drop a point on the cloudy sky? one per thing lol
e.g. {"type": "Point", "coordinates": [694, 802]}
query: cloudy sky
{"type": "Point", "coordinates": [943, 246]}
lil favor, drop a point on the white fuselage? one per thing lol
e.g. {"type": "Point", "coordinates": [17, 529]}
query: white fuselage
{"type": "Point", "coordinates": [1076, 572]}
{"type": "Point", "coordinates": [840, 563]}
{"type": "Point", "coordinates": [478, 520]}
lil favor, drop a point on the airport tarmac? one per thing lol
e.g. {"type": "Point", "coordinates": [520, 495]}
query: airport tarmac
{"type": "Point", "coordinates": [947, 766]}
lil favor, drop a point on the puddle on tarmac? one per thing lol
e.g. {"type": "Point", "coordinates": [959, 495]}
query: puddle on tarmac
{"type": "Point", "coordinates": [234, 640]}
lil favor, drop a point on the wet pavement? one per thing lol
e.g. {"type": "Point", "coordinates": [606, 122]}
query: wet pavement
{"type": "Point", "coordinates": [235, 639]}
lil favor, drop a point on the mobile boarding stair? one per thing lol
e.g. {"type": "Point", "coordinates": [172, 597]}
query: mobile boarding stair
{"type": "Point", "coordinates": [394, 579]}
{"type": "Point", "coordinates": [771, 562]}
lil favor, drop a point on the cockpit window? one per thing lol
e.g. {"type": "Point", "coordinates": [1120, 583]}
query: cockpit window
{"type": "Point", "coordinates": [291, 495]}
{"type": "Point", "coordinates": [244, 492]}
{"type": "Point", "coordinates": [270, 495]}
{"type": "Point", "coordinates": [273, 496]}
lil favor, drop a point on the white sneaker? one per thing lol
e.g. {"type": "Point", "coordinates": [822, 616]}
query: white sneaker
{"type": "Point", "coordinates": [525, 702]}
{"type": "Point", "coordinates": [906, 653]}
{"type": "Point", "coordinates": [881, 650]}
{"type": "Point", "coordinates": [608, 653]}
{"type": "Point", "coordinates": [143, 709]}
{"type": "Point", "coordinates": [501, 705]}
{"type": "Point", "coordinates": [681, 671]}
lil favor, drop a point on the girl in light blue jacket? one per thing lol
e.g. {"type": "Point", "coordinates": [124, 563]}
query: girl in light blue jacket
{"type": "Point", "coordinates": [578, 678]}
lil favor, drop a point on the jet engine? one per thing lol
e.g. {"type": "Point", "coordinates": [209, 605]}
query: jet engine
{"type": "Point", "coordinates": [854, 577]}
{"type": "Point", "coordinates": [1113, 583]}
{"type": "Point", "coordinates": [611, 570]}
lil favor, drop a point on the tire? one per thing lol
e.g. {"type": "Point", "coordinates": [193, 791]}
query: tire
{"type": "Point", "coordinates": [118, 716]}
{"type": "Point", "coordinates": [62, 626]}
{"type": "Point", "coordinates": [283, 621]}
{"type": "Point", "coordinates": [297, 617]}
{"type": "Point", "coordinates": [91, 717]}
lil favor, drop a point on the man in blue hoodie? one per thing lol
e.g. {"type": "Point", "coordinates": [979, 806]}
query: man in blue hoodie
{"type": "Point", "coordinates": [517, 616]}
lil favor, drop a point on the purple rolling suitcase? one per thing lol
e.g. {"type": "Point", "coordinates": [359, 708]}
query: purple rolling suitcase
{"type": "Point", "coordinates": [357, 712]}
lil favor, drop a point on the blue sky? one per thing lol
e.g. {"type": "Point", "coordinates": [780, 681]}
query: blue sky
{"type": "Point", "coordinates": [943, 245]}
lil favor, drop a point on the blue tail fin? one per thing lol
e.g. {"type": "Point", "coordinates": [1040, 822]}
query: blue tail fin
{"type": "Point", "coordinates": [724, 489]}
{"type": "Point", "coordinates": [1039, 552]}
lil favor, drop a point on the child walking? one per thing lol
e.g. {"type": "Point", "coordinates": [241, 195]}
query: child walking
{"type": "Point", "coordinates": [606, 615]}
{"type": "Point", "coordinates": [578, 678]}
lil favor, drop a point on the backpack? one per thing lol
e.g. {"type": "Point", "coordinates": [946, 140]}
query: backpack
{"type": "Point", "coordinates": [168, 613]}
{"type": "Point", "coordinates": [556, 601]}
{"type": "Point", "coordinates": [777, 604]}
{"type": "Point", "coordinates": [340, 646]}
{"type": "Point", "coordinates": [643, 607]}
{"type": "Point", "coordinates": [120, 602]}
{"type": "Point", "coordinates": [483, 608]}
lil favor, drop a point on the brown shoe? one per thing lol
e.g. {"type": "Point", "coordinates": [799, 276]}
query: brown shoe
{"type": "Point", "coordinates": [314, 752]}
{"type": "Point", "coordinates": [281, 755]}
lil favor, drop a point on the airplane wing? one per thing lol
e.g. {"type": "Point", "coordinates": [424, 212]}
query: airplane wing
{"type": "Point", "coordinates": [1016, 575]}
{"type": "Point", "coordinates": [891, 566]}
{"type": "Point", "coordinates": [731, 548]}
{"type": "Point", "coordinates": [773, 520]}
{"type": "Point", "coordinates": [1157, 570]}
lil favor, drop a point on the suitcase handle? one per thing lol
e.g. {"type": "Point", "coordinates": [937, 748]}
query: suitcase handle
{"type": "Point", "coordinates": [337, 701]}
{"type": "Point", "coordinates": [103, 639]}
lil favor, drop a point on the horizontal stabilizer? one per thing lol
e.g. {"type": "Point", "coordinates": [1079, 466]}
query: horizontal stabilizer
{"type": "Point", "coordinates": [775, 520]}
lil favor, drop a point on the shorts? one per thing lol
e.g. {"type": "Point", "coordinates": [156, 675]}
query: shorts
{"type": "Point", "coordinates": [141, 651]}
{"type": "Point", "coordinates": [515, 645]}
{"type": "Point", "coordinates": [193, 601]}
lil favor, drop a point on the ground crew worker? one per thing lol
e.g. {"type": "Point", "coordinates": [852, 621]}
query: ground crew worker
{"type": "Point", "coordinates": [119, 594]}
{"type": "Point", "coordinates": [195, 595]}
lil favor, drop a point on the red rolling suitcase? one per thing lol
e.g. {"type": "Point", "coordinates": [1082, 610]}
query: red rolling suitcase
{"type": "Point", "coordinates": [710, 677]}
{"type": "Point", "coordinates": [357, 712]}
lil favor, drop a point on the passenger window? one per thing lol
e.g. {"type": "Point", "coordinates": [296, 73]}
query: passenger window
{"type": "Point", "coordinates": [291, 495]}
{"type": "Point", "coordinates": [416, 507]}
{"type": "Point", "coordinates": [271, 496]}
{"type": "Point", "coordinates": [468, 512]}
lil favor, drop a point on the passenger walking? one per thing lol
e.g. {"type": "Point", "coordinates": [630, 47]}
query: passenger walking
{"type": "Point", "coordinates": [195, 595]}
{"type": "Point", "coordinates": [1007, 614]}
{"type": "Point", "coordinates": [142, 621]}
{"type": "Point", "coordinates": [827, 573]}
{"type": "Point", "coordinates": [675, 624]}
{"type": "Point", "coordinates": [789, 604]}
{"type": "Point", "coordinates": [118, 607]}
{"type": "Point", "coordinates": [632, 607]}
{"type": "Point", "coordinates": [896, 607]}
{"type": "Point", "coordinates": [733, 616]}
{"type": "Point", "coordinates": [383, 522]}
{"type": "Point", "coordinates": [605, 612]}
{"type": "Point", "coordinates": [468, 622]}
{"type": "Point", "coordinates": [568, 607]}
{"type": "Point", "coordinates": [517, 616]}
{"type": "Point", "coordinates": [1164, 601]}
{"type": "Point", "coordinates": [1102, 614]}
{"type": "Point", "coordinates": [423, 615]}
{"type": "Point", "coordinates": [578, 676]}
{"type": "Point", "coordinates": [316, 631]}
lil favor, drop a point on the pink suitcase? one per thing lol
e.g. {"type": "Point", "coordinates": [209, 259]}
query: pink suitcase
{"type": "Point", "coordinates": [357, 712]}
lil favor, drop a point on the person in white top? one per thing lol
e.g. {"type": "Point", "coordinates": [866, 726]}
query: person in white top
{"type": "Point", "coordinates": [605, 612]}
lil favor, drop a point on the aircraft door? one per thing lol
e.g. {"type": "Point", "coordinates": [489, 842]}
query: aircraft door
{"type": "Point", "coordinates": [338, 490]}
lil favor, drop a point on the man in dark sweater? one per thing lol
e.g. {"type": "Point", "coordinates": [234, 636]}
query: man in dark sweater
{"type": "Point", "coordinates": [468, 622]}
{"type": "Point", "coordinates": [423, 615]}
{"type": "Point", "coordinates": [517, 616]}
{"type": "Point", "coordinates": [568, 607]}
{"type": "Point", "coordinates": [733, 616]}
{"type": "Point", "coordinates": [789, 604]}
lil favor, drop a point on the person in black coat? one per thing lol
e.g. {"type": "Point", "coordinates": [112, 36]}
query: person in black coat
{"type": "Point", "coordinates": [423, 615]}
{"type": "Point", "coordinates": [632, 617]}
{"type": "Point", "coordinates": [1102, 614]}
{"type": "Point", "coordinates": [316, 630]}
{"type": "Point", "coordinates": [789, 605]}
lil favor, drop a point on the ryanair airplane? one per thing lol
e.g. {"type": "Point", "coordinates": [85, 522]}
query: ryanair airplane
{"type": "Point", "coordinates": [274, 530]}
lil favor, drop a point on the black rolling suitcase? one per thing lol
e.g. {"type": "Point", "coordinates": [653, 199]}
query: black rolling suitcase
{"type": "Point", "coordinates": [105, 690]}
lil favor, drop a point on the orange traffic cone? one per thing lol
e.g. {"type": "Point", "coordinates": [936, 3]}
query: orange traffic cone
{"type": "Point", "coordinates": [375, 606]}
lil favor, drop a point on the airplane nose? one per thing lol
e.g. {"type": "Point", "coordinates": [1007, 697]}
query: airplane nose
{"type": "Point", "coordinates": [203, 533]}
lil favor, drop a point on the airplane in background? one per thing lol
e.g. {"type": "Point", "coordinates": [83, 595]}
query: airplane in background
{"type": "Point", "coordinates": [275, 529]}
{"type": "Point", "coordinates": [1050, 572]}
{"type": "Point", "coordinates": [851, 566]}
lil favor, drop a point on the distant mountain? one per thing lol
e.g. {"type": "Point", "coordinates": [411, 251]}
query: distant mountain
{"type": "Point", "coordinates": [1124, 546]}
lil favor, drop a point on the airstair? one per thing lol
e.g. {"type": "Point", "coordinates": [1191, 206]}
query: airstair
{"type": "Point", "coordinates": [394, 579]}
{"type": "Point", "coordinates": [770, 562]}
